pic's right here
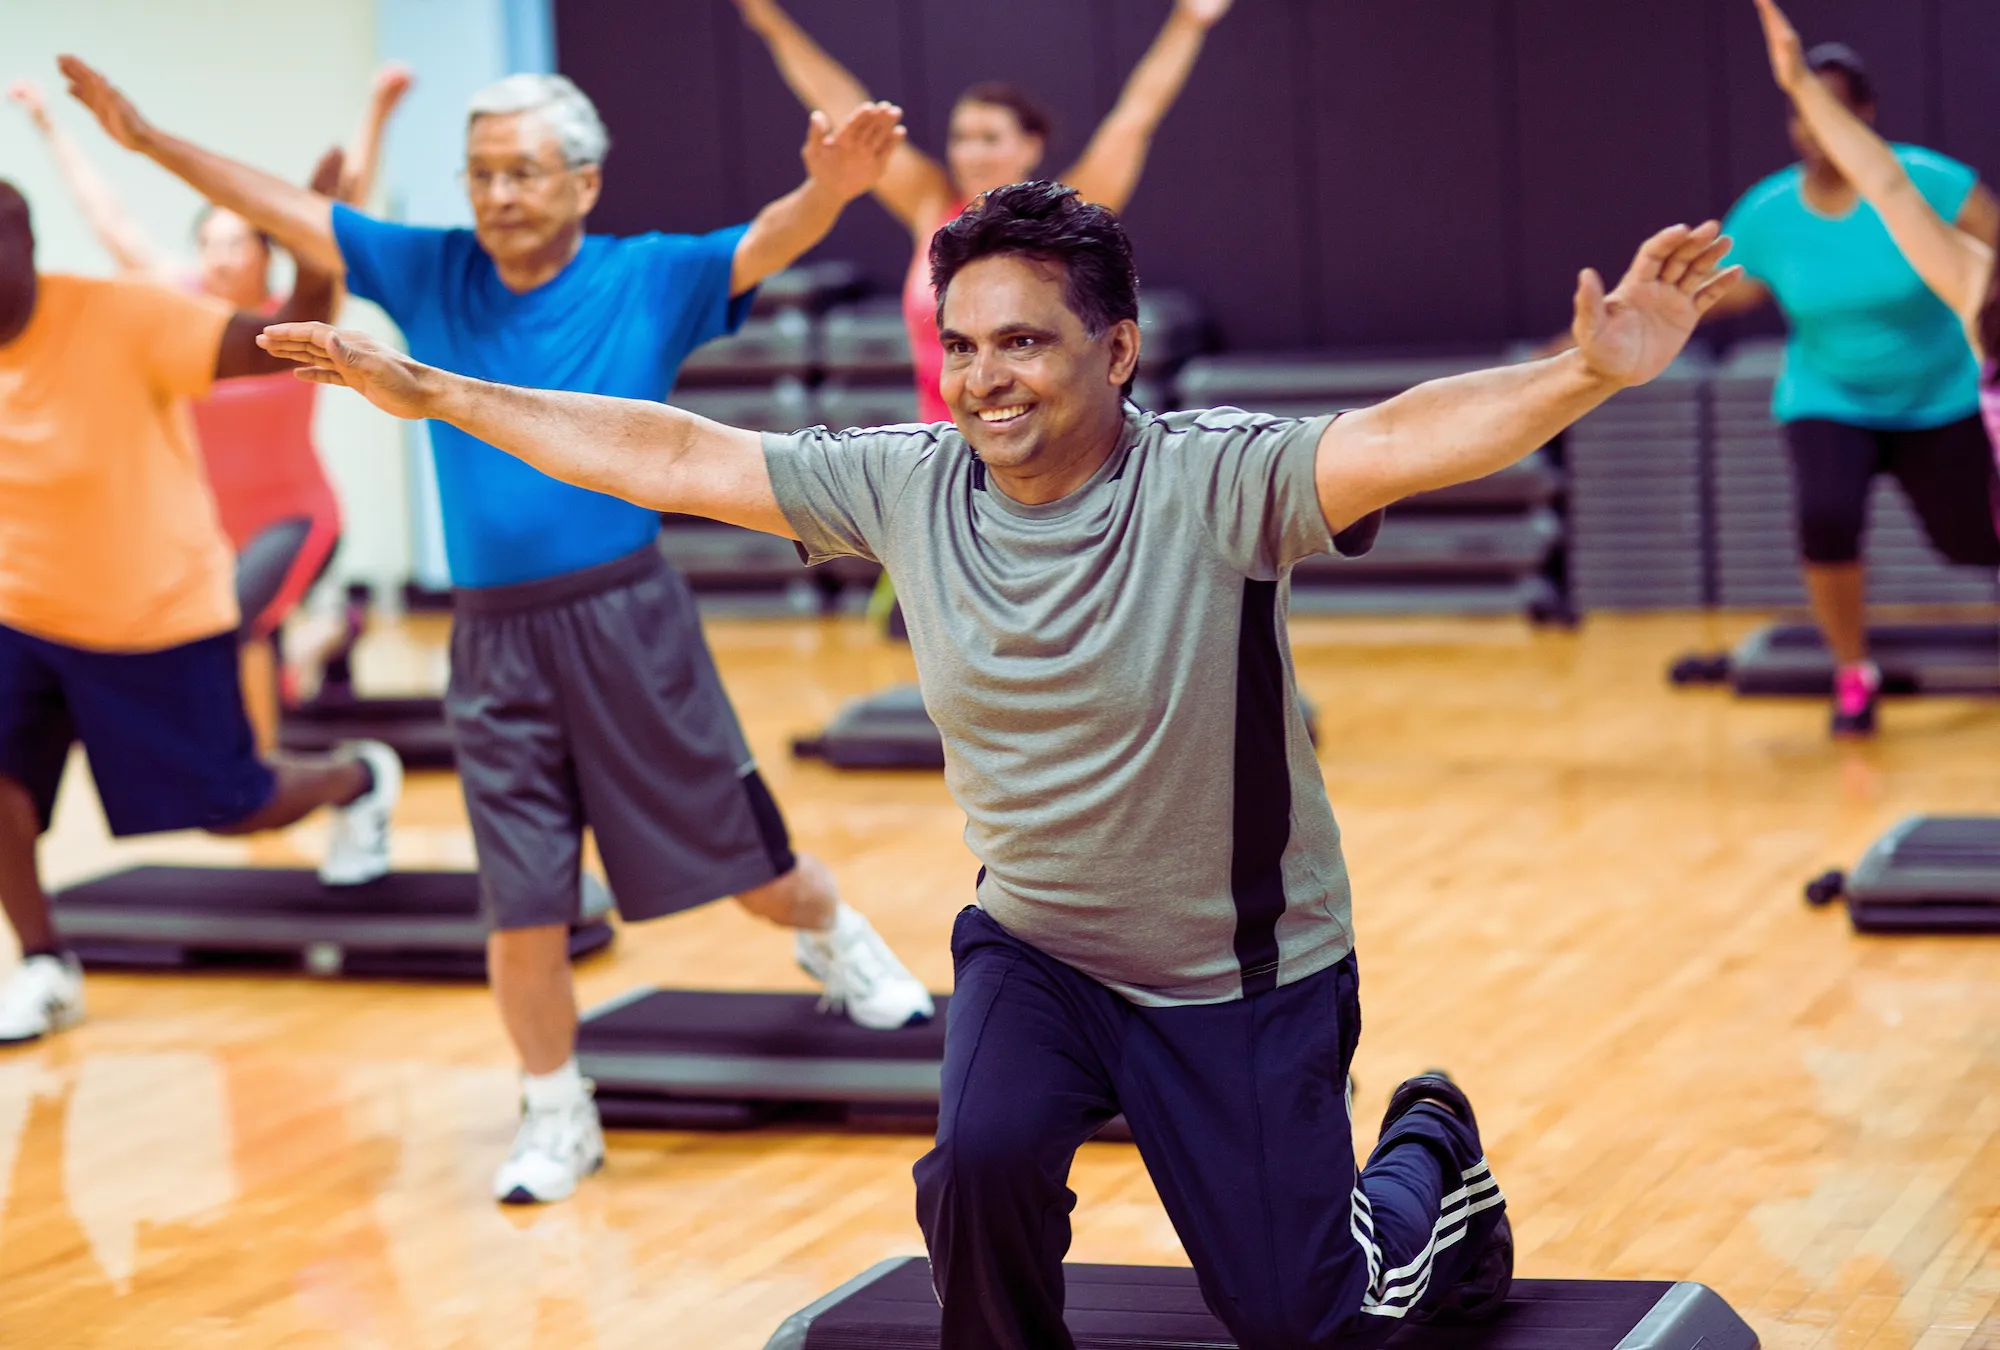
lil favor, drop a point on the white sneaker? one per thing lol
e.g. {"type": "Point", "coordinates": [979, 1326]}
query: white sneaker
{"type": "Point", "coordinates": [862, 975]}
{"type": "Point", "coordinates": [555, 1148]}
{"type": "Point", "coordinates": [44, 994]}
{"type": "Point", "coordinates": [358, 849]}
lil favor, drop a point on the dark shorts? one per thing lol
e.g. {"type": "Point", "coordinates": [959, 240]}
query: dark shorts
{"type": "Point", "coordinates": [1946, 472]}
{"type": "Point", "coordinates": [280, 564]}
{"type": "Point", "coordinates": [168, 741]}
{"type": "Point", "coordinates": [591, 699]}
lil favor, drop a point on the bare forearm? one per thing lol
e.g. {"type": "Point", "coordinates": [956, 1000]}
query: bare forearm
{"type": "Point", "coordinates": [1161, 73]}
{"type": "Point", "coordinates": [646, 453]}
{"type": "Point", "coordinates": [1113, 162]}
{"type": "Point", "coordinates": [783, 232]}
{"type": "Point", "coordinates": [1862, 156]}
{"type": "Point", "coordinates": [106, 215]}
{"type": "Point", "coordinates": [364, 154]}
{"type": "Point", "coordinates": [299, 218]}
{"type": "Point", "coordinates": [1451, 431]}
{"type": "Point", "coordinates": [312, 300]}
{"type": "Point", "coordinates": [814, 77]}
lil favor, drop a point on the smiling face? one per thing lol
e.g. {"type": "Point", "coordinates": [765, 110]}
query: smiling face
{"type": "Point", "coordinates": [1030, 389]}
{"type": "Point", "coordinates": [528, 202]}
{"type": "Point", "coordinates": [235, 260]}
{"type": "Point", "coordinates": [988, 148]}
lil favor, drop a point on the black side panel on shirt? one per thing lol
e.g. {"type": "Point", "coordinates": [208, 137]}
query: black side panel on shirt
{"type": "Point", "coordinates": [1262, 824]}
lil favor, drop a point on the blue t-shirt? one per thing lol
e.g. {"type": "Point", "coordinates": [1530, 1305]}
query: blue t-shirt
{"type": "Point", "coordinates": [1870, 344]}
{"type": "Point", "coordinates": [619, 320]}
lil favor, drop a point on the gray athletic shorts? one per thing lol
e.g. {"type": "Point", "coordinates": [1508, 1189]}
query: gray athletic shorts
{"type": "Point", "coordinates": [591, 699]}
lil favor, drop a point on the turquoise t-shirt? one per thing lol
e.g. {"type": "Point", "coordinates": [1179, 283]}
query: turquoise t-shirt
{"type": "Point", "coordinates": [1870, 344]}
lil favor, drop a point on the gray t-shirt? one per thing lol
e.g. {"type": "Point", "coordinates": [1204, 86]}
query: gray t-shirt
{"type": "Point", "coordinates": [1114, 685]}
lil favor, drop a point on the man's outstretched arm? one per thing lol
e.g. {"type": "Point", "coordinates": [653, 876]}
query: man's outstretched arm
{"type": "Point", "coordinates": [1465, 427]}
{"type": "Point", "coordinates": [297, 217]}
{"type": "Point", "coordinates": [841, 164]}
{"type": "Point", "coordinates": [644, 452]}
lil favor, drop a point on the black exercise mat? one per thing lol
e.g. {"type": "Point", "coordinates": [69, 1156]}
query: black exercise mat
{"type": "Point", "coordinates": [705, 1021]}
{"type": "Point", "coordinates": [415, 728]}
{"type": "Point", "coordinates": [1161, 1308]}
{"type": "Point", "coordinates": [406, 925]}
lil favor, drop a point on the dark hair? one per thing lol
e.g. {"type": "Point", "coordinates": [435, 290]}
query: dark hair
{"type": "Point", "coordinates": [1843, 58]}
{"type": "Point", "coordinates": [1034, 119]}
{"type": "Point", "coordinates": [1050, 223]}
{"type": "Point", "coordinates": [14, 214]}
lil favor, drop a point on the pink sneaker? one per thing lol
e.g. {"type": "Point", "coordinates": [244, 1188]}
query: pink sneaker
{"type": "Point", "coordinates": [1855, 690]}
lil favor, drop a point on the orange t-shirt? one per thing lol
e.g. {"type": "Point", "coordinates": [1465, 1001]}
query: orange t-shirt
{"type": "Point", "coordinates": [108, 533]}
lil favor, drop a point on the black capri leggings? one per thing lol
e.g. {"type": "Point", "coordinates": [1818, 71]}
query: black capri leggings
{"type": "Point", "coordinates": [1947, 473]}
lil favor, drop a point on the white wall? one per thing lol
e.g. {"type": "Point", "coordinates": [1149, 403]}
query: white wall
{"type": "Point", "coordinates": [274, 85]}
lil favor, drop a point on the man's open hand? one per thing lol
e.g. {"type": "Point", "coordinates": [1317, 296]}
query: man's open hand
{"type": "Point", "coordinates": [1635, 332]}
{"type": "Point", "coordinates": [384, 376]}
{"type": "Point", "coordinates": [850, 160]}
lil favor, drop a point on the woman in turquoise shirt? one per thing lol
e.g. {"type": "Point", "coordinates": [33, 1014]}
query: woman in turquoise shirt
{"type": "Point", "coordinates": [1878, 376]}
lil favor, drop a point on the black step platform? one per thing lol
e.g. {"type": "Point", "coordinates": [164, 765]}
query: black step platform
{"type": "Point", "coordinates": [892, 1307]}
{"type": "Point", "coordinates": [1930, 874]}
{"type": "Point", "coordinates": [708, 1059]}
{"type": "Point", "coordinates": [1791, 658]}
{"type": "Point", "coordinates": [414, 728]}
{"type": "Point", "coordinates": [892, 730]}
{"type": "Point", "coordinates": [407, 925]}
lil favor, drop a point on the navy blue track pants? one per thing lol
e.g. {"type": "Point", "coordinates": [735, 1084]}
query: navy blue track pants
{"type": "Point", "coordinates": [1238, 1110]}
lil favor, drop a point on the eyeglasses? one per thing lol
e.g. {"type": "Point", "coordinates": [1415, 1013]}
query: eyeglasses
{"type": "Point", "coordinates": [527, 178]}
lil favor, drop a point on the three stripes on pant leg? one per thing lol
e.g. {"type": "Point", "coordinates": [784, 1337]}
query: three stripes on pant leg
{"type": "Point", "coordinates": [1396, 1292]}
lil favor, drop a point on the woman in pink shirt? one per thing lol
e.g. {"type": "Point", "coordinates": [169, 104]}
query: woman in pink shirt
{"type": "Point", "coordinates": [276, 503]}
{"type": "Point", "coordinates": [998, 135]}
{"type": "Point", "coordinates": [1954, 264]}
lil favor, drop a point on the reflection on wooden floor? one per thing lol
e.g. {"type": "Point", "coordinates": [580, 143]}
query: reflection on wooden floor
{"type": "Point", "coordinates": [1575, 887]}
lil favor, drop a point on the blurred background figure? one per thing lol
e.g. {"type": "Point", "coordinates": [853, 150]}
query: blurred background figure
{"type": "Point", "coordinates": [277, 504]}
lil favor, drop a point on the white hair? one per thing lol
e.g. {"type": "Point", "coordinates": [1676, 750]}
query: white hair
{"type": "Point", "coordinates": [566, 109]}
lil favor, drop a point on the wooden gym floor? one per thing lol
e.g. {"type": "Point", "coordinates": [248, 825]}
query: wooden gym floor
{"type": "Point", "coordinates": [1574, 887]}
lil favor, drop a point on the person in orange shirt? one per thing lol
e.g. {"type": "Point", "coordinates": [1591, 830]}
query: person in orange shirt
{"type": "Point", "coordinates": [277, 504]}
{"type": "Point", "coordinates": [118, 613]}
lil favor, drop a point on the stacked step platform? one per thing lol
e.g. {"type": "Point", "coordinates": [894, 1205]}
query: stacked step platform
{"type": "Point", "coordinates": [1488, 547]}
{"type": "Point", "coordinates": [893, 1307]}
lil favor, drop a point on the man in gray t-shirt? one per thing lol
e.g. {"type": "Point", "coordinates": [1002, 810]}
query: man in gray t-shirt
{"type": "Point", "coordinates": [1096, 597]}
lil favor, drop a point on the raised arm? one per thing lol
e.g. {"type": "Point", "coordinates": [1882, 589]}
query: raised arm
{"type": "Point", "coordinates": [314, 295]}
{"type": "Point", "coordinates": [915, 188]}
{"type": "Point", "coordinates": [364, 148]}
{"type": "Point", "coordinates": [657, 456]}
{"type": "Point", "coordinates": [1454, 430]}
{"type": "Point", "coordinates": [1109, 171]}
{"type": "Point", "coordinates": [93, 194]}
{"type": "Point", "coordinates": [840, 166]}
{"type": "Point", "coordinates": [297, 217]}
{"type": "Point", "coordinates": [1952, 262]}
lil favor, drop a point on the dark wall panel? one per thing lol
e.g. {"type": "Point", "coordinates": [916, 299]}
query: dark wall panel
{"type": "Point", "coordinates": [1615, 139]}
{"type": "Point", "coordinates": [1969, 83]}
{"type": "Point", "coordinates": [869, 39]}
{"type": "Point", "coordinates": [1406, 178]}
{"type": "Point", "coordinates": [1222, 209]}
{"type": "Point", "coordinates": [655, 73]}
{"type": "Point", "coordinates": [1360, 173]}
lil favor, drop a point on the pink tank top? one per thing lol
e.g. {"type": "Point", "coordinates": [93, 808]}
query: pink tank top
{"type": "Point", "coordinates": [257, 443]}
{"type": "Point", "coordinates": [920, 317]}
{"type": "Point", "coordinates": [1989, 405]}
